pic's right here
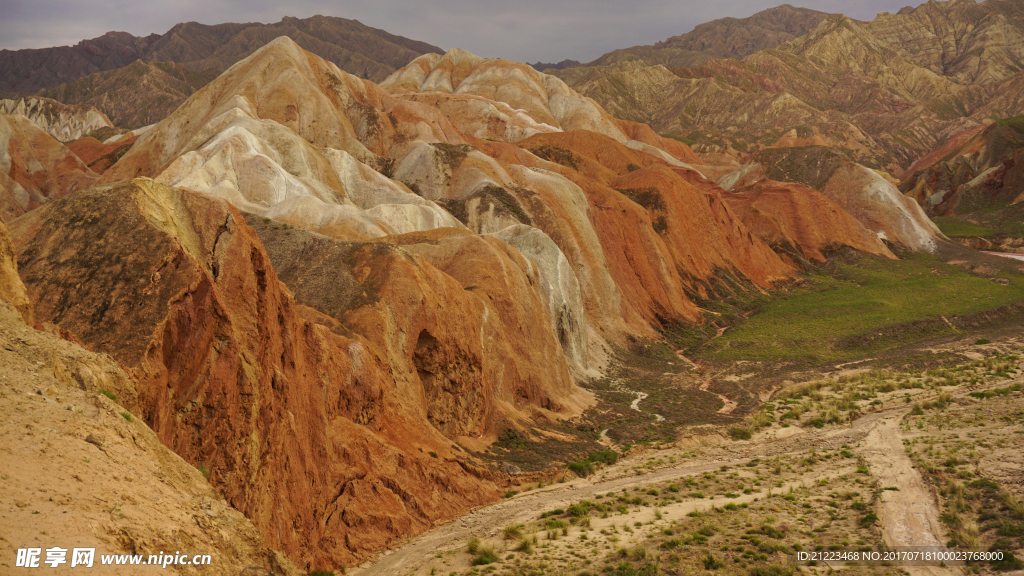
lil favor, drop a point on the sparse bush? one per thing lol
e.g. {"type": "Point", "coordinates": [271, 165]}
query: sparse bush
{"type": "Point", "coordinates": [513, 532]}
{"type": "Point", "coordinates": [740, 433]}
{"type": "Point", "coordinates": [710, 562]}
{"type": "Point", "coordinates": [510, 438]}
{"type": "Point", "coordinates": [526, 545]}
{"type": "Point", "coordinates": [485, 555]}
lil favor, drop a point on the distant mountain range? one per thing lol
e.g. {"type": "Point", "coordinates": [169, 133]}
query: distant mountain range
{"type": "Point", "coordinates": [723, 38]}
{"type": "Point", "coordinates": [138, 81]}
{"type": "Point", "coordinates": [352, 46]}
{"type": "Point", "coordinates": [542, 66]}
{"type": "Point", "coordinates": [885, 91]}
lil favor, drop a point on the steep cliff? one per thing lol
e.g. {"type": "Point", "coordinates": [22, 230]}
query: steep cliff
{"type": "Point", "coordinates": [304, 430]}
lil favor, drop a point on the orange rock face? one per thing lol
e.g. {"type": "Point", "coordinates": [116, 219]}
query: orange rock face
{"type": "Point", "coordinates": [664, 231]}
{"type": "Point", "coordinates": [99, 156]}
{"type": "Point", "coordinates": [39, 168]}
{"type": "Point", "coordinates": [800, 221]}
{"type": "Point", "coordinates": [333, 442]}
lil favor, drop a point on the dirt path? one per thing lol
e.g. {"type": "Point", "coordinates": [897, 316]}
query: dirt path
{"type": "Point", "coordinates": [728, 405]}
{"type": "Point", "coordinates": [909, 516]}
{"type": "Point", "coordinates": [635, 404]}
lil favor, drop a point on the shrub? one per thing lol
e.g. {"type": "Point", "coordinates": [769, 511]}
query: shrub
{"type": "Point", "coordinates": [526, 545]}
{"type": "Point", "coordinates": [582, 468]}
{"type": "Point", "coordinates": [108, 394]}
{"type": "Point", "coordinates": [510, 438]}
{"type": "Point", "coordinates": [710, 562]}
{"type": "Point", "coordinates": [581, 508]}
{"type": "Point", "coordinates": [486, 555]}
{"type": "Point", "coordinates": [604, 457]}
{"type": "Point", "coordinates": [739, 433]}
{"type": "Point", "coordinates": [558, 155]}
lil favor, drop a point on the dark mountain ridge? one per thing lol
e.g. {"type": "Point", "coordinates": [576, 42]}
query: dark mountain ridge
{"type": "Point", "coordinates": [351, 45]}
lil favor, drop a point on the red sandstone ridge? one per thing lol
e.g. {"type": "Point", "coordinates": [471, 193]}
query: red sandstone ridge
{"type": "Point", "coordinates": [800, 222]}
{"type": "Point", "coordinates": [977, 171]}
{"type": "Point", "coordinates": [39, 168]}
{"type": "Point", "coordinates": [314, 166]}
{"type": "Point", "coordinates": [864, 193]}
{"type": "Point", "coordinates": [330, 430]}
{"type": "Point", "coordinates": [99, 156]}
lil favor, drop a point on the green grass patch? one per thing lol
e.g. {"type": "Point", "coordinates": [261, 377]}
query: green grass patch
{"type": "Point", "coordinates": [856, 307]}
{"type": "Point", "coordinates": [954, 227]}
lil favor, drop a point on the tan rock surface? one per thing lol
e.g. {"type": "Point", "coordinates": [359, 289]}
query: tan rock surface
{"type": "Point", "coordinates": [886, 91]}
{"type": "Point", "coordinates": [77, 473]}
{"type": "Point", "coordinates": [12, 290]}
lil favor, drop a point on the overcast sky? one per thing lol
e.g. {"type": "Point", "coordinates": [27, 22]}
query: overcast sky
{"type": "Point", "coordinates": [522, 30]}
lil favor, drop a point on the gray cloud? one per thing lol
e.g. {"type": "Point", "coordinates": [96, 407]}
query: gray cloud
{"type": "Point", "coordinates": [526, 30]}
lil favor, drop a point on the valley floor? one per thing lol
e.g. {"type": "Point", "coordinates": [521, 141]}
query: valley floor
{"type": "Point", "coordinates": [746, 507]}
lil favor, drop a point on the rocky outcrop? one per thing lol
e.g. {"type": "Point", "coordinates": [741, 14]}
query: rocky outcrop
{"type": "Point", "coordinates": [35, 168]}
{"type": "Point", "coordinates": [969, 42]}
{"type": "Point", "coordinates": [310, 165]}
{"type": "Point", "coordinates": [62, 121]}
{"type": "Point", "coordinates": [348, 288]}
{"type": "Point", "coordinates": [542, 66]}
{"type": "Point", "coordinates": [341, 421]}
{"type": "Point", "coordinates": [12, 290]}
{"type": "Point", "coordinates": [546, 99]}
{"type": "Point", "coordinates": [99, 156]}
{"type": "Point", "coordinates": [139, 94]}
{"type": "Point", "coordinates": [885, 91]}
{"type": "Point", "coordinates": [285, 134]}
